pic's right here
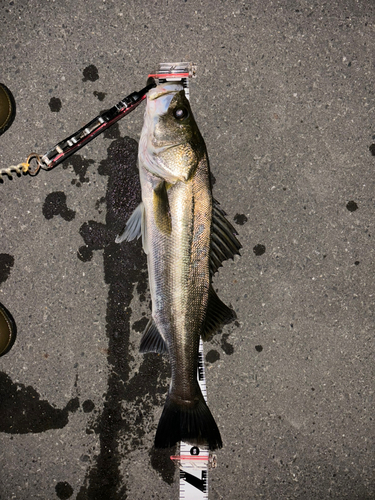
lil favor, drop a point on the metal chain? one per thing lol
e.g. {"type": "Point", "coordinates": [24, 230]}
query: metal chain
{"type": "Point", "coordinates": [22, 167]}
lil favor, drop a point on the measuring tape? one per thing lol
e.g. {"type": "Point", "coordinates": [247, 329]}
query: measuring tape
{"type": "Point", "coordinates": [176, 72]}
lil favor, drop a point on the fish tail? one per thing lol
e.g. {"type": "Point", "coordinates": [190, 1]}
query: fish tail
{"type": "Point", "coordinates": [192, 424]}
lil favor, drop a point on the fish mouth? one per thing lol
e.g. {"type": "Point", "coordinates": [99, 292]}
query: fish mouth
{"type": "Point", "coordinates": [163, 90]}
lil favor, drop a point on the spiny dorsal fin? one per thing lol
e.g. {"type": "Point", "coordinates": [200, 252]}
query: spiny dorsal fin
{"type": "Point", "coordinates": [224, 244]}
{"type": "Point", "coordinates": [218, 314]}
{"type": "Point", "coordinates": [152, 341]}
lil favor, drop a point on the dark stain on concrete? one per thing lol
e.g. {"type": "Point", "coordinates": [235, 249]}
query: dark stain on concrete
{"type": "Point", "coordinates": [90, 73]}
{"type": "Point", "coordinates": [54, 104]}
{"type": "Point", "coordinates": [99, 203]}
{"type": "Point", "coordinates": [124, 265]}
{"type": "Point", "coordinates": [22, 410]}
{"type": "Point", "coordinates": [88, 406]}
{"type": "Point", "coordinates": [95, 235]}
{"type": "Point", "coordinates": [140, 325]}
{"type": "Point", "coordinates": [161, 462]}
{"type": "Point", "coordinates": [240, 219]}
{"type": "Point", "coordinates": [112, 132]}
{"type": "Point", "coordinates": [352, 206]}
{"type": "Point", "coordinates": [259, 250]}
{"type": "Point", "coordinates": [84, 253]}
{"type": "Point", "coordinates": [80, 166]}
{"type": "Point", "coordinates": [55, 204]}
{"type": "Point", "coordinates": [6, 264]}
{"type": "Point", "coordinates": [143, 290]}
{"type": "Point", "coordinates": [225, 345]}
{"type": "Point", "coordinates": [212, 356]}
{"type": "Point", "coordinates": [99, 95]}
{"type": "Point", "coordinates": [63, 490]}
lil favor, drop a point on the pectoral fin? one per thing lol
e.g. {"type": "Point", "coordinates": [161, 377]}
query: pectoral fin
{"type": "Point", "coordinates": [162, 210]}
{"type": "Point", "coordinates": [218, 314]}
{"type": "Point", "coordinates": [133, 228]}
{"type": "Point", "coordinates": [152, 341]}
{"type": "Point", "coordinates": [224, 244]}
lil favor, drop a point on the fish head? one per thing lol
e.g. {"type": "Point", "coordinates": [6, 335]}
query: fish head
{"type": "Point", "coordinates": [171, 145]}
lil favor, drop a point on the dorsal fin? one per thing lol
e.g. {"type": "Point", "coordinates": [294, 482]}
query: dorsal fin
{"type": "Point", "coordinates": [224, 244]}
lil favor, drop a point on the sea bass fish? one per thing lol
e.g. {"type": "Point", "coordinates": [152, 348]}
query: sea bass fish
{"type": "Point", "coordinates": [186, 238]}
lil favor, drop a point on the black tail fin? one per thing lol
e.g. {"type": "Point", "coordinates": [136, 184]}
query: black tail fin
{"type": "Point", "coordinates": [194, 425]}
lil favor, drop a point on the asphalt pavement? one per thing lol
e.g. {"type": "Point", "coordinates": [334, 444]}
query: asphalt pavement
{"type": "Point", "coordinates": [284, 98]}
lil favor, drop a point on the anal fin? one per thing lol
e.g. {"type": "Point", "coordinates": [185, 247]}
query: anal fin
{"type": "Point", "coordinates": [152, 341]}
{"type": "Point", "coordinates": [218, 314]}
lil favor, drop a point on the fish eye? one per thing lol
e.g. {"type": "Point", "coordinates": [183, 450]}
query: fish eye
{"type": "Point", "coordinates": [180, 113]}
